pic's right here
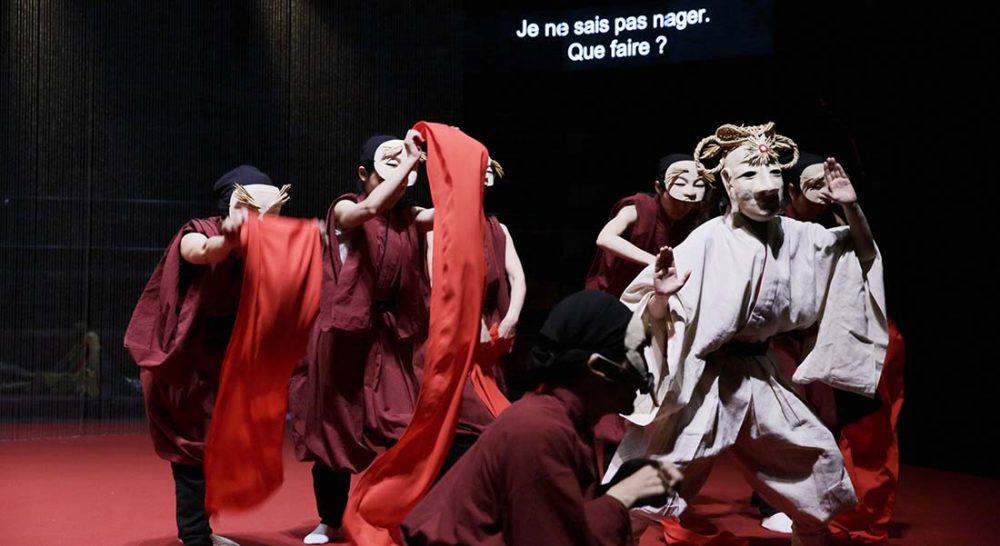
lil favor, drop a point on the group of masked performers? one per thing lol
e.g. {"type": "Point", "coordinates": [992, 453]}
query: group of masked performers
{"type": "Point", "coordinates": [696, 335]}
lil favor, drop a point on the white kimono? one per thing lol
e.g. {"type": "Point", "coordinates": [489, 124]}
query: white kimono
{"type": "Point", "coordinates": [718, 386]}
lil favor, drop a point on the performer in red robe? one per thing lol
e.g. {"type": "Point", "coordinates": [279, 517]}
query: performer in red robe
{"type": "Point", "coordinates": [643, 223]}
{"type": "Point", "coordinates": [355, 392]}
{"type": "Point", "coordinates": [178, 335]}
{"type": "Point", "coordinates": [532, 477]}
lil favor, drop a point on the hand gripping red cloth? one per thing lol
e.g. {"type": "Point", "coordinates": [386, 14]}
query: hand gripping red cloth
{"type": "Point", "coordinates": [397, 479]}
{"type": "Point", "coordinates": [484, 383]}
{"type": "Point", "coordinates": [278, 302]}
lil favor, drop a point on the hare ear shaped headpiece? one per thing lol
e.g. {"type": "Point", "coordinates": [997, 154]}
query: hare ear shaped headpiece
{"type": "Point", "coordinates": [493, 171]}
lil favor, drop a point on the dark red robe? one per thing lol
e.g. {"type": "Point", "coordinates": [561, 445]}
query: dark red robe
{"type": "Point", "coordinates": [398, 478]}
{"type": "Point", "coordinates": [356, 390]}
{"type": "Point", "coordinates": [178, 336]}
{"type": "Point", "coordinates": [530, 479]}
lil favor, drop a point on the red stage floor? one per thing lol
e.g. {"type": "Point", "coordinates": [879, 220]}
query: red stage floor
{"type": "Point", "coordinates": [113, 490]}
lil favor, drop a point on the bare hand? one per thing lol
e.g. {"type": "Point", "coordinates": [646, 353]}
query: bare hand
{"type": "Point", "coordinates": [507, 328]}
{"type": "Point", "coordinates": [413, 141]}
{"type": "Point", "coordinates": [666, 281]}
{"type": "Point", "coordinates": [231, 225]}
{"type": "Point", "coordinates": [838, 186]}
{"type": "Point", "coordinates": [648, 481]}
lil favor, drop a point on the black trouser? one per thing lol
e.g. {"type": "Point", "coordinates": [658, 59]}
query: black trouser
{"type": "Point", "coordinates": [331, 488]}
{"type": "Point", "coordinates": [192, 521]}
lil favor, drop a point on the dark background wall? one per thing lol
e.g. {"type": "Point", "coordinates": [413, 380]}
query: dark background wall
{"type": "Point", "coordinates": [117, 116]}
{"type": "Point", "coordinates": [898, 93]}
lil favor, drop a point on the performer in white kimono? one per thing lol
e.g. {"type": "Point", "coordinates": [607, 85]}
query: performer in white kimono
{"type": "Point", "coordinates": [754, 274]}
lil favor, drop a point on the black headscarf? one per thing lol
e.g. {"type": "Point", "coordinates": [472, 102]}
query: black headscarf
{"type": "Point", "coordinates": [243, 175]}
{"type": "Point", "coordinates": [371, 145]}
{"type": "Point", "coordinates": [586, 322]}
{"type": "Point", "coordinates": [668, 160]}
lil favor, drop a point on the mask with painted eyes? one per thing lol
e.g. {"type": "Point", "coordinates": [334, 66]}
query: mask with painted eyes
{"type": "Point", "coordinates": [812, 181]}
{"type": "Point", "coordinates": [754, 190]}
{"type": "Point", "coordinates": [750, 162]}
{"type": "Point", "coordinates": [389, 157]}
{"type": "Point", "coordinates": [683, 183]}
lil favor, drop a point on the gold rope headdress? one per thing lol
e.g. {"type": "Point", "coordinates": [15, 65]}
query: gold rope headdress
{"type": "Point", "coordinates": [763, 147]}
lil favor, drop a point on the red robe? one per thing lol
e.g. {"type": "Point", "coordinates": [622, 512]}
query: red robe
{"type": "Point", "coordinates": [178, 336]}
{"type": "Point", "coordinates": [398, 478]}
{"type": "Point", "coordinates": [530, 479]}
{"type": "Point", "coordinates": [651, 231]}
{"type": "Point", "coordinates": [356, 389]}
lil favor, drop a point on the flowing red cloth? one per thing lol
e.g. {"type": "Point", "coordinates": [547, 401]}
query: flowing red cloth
{"type": "Point", "coordinates": [871, 453]}
{"type": "Point", "coordinates": [481, 376]}
{"type": "Point", "coordinates": [397, 479]}
{"type": "Point", "coordinates": [278, 303]}
{"type": "Point", "coordinates": [677, 535]}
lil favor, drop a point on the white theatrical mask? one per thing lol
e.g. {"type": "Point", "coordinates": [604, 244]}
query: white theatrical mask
{"type": "Point", "coordinates": [388, 158]}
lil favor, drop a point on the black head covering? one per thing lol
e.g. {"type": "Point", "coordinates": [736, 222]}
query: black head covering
{"type": "Point", "coordinates": [586, 322]}
{"type": "Point", "coordinates": [794, 174]}
{"type": "Point", "coordinates": [668, 160]}
{"type": "Point", "coordinates": [244, 175]}
{"type": "Point", "coordinates": [372, 144]}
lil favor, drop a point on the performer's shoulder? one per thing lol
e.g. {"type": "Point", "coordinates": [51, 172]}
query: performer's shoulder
{"type": "Point", "coordinates": [209, 227]}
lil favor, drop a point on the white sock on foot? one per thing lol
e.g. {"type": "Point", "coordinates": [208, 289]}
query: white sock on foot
{"type": "Point", "coordinates": [779, 523]}
{"type": "Point", "coordinates": [319, 535]}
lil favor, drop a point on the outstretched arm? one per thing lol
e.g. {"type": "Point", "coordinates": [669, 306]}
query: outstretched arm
{"type": "Point", "coordinates": [610, 238]}
{"type": "Point", "coordinates": [840, 190]}
{"type": "Point", "coordinates": [350, 214]}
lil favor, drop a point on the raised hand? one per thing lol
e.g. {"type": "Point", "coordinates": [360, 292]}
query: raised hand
{"type": "Point", "coordinates": [838, 186]}
{"type": "Point", "coordinates": [666, 281]}
{"type": "Point", "coordinates": [231, 225]}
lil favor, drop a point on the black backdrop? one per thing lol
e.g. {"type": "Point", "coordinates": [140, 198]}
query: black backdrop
{"type": "Point", "coordinates": [116, 118]}
{"type": "Point", "coordinates": [895, 92]}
